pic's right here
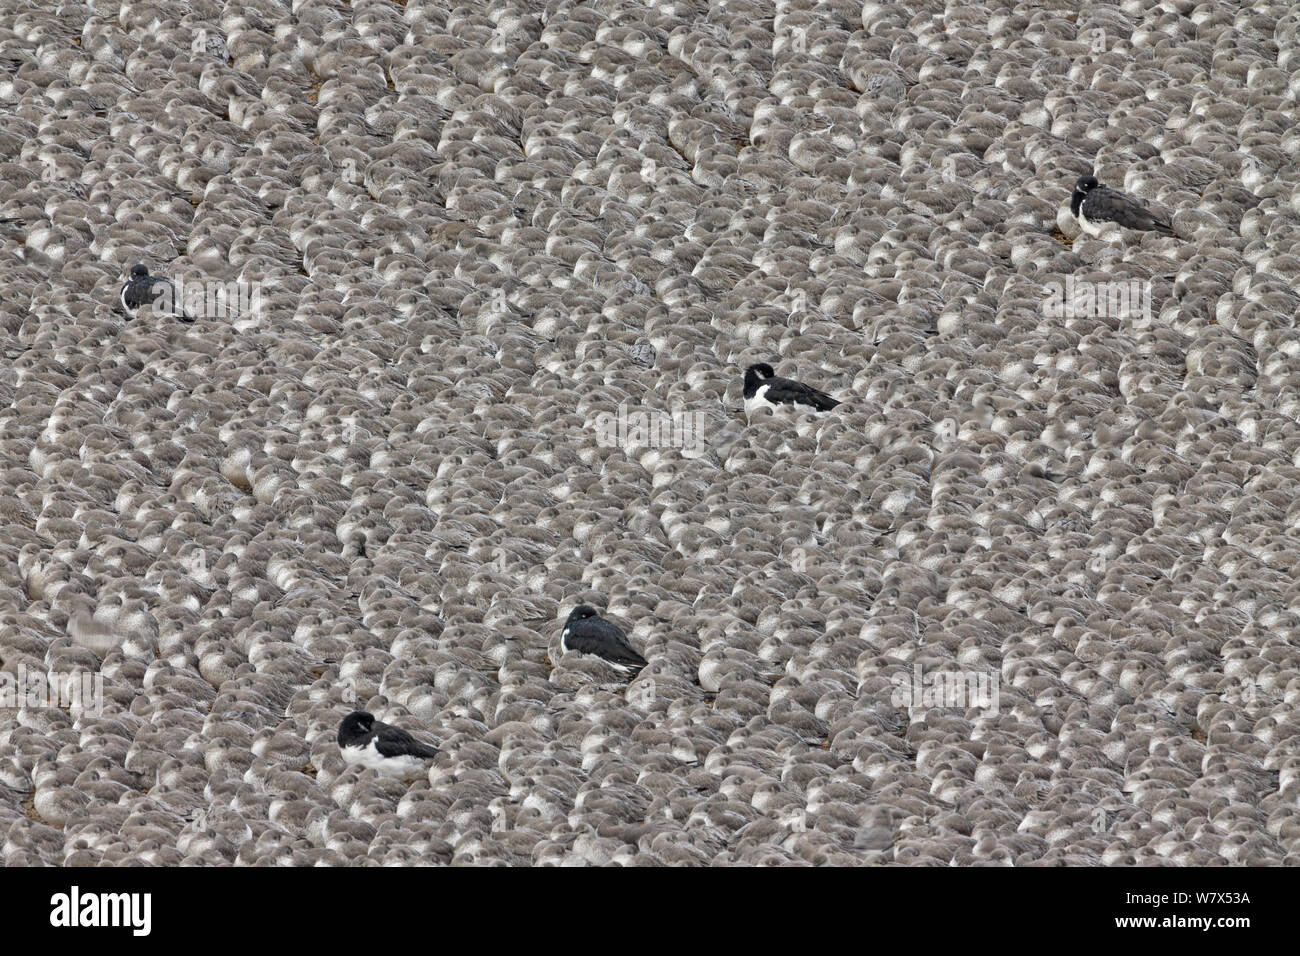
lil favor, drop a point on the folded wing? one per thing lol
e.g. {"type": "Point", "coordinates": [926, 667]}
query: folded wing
{"type": "Point", "coordinates": [784, 390]}
{"type": "Point", "coordinates": [1108, 205]}
{"type": "Point", "coordinates": [394, 742]}
{"type": "Point", "coordinates": [600, 637]}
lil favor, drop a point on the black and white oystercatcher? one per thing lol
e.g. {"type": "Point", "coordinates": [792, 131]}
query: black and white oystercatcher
{"type": "Point", "coordinates": [1096, 206]}
{"type": "Point", "coordinates": [588, 633]}
{"type": "Point", "coordinates": [764, 388]}
{"type": "Point", "coordinates": [143, 289]}
{"type": "Point", "coordinates": [389, 751]}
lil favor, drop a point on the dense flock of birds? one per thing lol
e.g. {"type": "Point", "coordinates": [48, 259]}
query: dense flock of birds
{"type": "Point", "coordinates": [362, 582]}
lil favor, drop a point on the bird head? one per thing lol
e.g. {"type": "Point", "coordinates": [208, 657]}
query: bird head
{"type": "Point", "coordinates": [757, 373]}
{"type": "Point", "coordinates": [582, 612]}
{"type": "Point", "coordinates": [1082, 186]}
{"type": "Point", "coordinates": [356, 724]}
{"type": "Point", "coordinates": [139, 271]}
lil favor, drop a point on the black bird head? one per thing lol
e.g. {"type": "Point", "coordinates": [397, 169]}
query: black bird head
{"type": "Point", "coordinates": [581, 613]}
{"type": "Point", "coordinates": [1082, 186]}
{"type": "Point", "coordinates": [355, 726]}
{"type": "Point", "coordinates": [139, 271]}
{"type": "Point", "coordinates": [755, 374]}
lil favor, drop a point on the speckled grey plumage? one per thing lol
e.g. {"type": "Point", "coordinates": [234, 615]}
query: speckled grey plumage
{"type": "Point", "coordinates": [381, 488]}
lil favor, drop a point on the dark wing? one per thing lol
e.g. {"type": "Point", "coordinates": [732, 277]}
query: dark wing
{"type": "Point", "coordinates": [393, 741]}
{"type": "Point", "coordinates": [784, 390]}
{"type": "Point", "coordinates": [145, 291]}
{"type": "Point", "coordinates": [1107, 205]}
{"type": "Point", "coordinates": [135, 294]}
{"type": "Point", "coordinates": [152, 290]}
{"type": "Point", "coordinates": [598, 636]}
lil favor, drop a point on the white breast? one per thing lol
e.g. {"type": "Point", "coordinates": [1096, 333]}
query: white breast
{"type": "Point", "coordinates": [1095, 228]}
{"type": "Point", "coordinates": [370, 757]}
{"type": "Point", "coordinates": [758, 401]}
